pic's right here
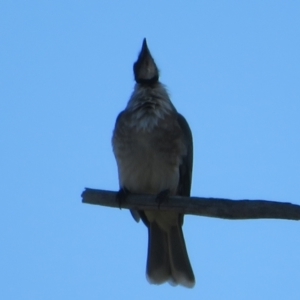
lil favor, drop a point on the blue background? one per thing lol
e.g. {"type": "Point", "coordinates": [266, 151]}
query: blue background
{"type": "Point", "coordinates": [232, 69]}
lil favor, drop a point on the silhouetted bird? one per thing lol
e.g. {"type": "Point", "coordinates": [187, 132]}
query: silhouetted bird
{"type": "Point", "coordinates": [153, 147]}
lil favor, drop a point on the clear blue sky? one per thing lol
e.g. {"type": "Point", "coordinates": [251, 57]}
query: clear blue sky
{"type": "Point", "coordinates": [232, 69]}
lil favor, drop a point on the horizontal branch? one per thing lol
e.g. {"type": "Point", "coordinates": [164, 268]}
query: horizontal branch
{"type": "Point", "coordinates": [208, 207]}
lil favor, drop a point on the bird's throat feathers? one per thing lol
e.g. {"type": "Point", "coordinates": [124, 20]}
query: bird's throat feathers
{"type": "Point", "coordinates": [148, 105]}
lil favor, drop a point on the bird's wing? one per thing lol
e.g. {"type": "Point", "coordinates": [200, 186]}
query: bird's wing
{"type": "Point", "coordinates": [186, 168]}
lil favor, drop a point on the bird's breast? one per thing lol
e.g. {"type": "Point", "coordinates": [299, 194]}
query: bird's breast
{"type": "Point", "coordinates": [148, 161]}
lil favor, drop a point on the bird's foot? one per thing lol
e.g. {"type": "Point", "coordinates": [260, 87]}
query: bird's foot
{"type": "Point", "coordinates": [162, 197]}
{"type": "Point", "coordinates": [122, 194]}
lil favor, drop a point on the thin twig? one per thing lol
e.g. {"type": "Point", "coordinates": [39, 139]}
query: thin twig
{"type": "Point", "coordinates": [200, 206]}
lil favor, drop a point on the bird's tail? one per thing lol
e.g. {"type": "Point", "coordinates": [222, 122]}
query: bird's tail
{"type": "Point", "coordinates": [167, 257]}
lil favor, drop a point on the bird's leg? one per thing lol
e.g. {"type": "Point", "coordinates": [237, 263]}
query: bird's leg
{"type": "Point", "coordinates": [122, 195]}
{"type": "Point", "coordinates": [163, 196]}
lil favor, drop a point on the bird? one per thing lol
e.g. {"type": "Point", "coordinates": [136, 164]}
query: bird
{"type": "Point", "coordinates": [153, 147]}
